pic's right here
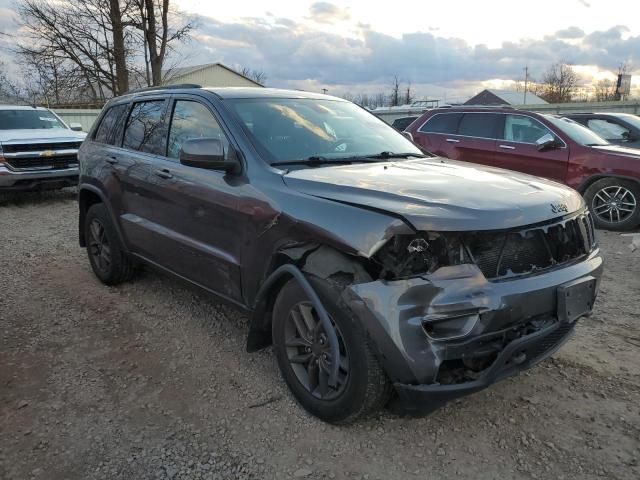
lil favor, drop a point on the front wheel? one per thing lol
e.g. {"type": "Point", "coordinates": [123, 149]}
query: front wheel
{"type": "Point", "coordinates": [614, 203]}
{"type": "Point", "coordinates": [303, 354]}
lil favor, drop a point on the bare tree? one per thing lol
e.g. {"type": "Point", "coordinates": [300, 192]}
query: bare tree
{"type": "Point", "coordinates": [559, 83]}
{"type": "Point", "coordinates": [408, 97]}
{"type": "Point", "coordinates": [258, 76]}
{"type": "Point", "coordinates": [605, 90]}
{"type": "Point", "coordinates": [395, 91]}
{"type": "Point", "coordinates": [161, 26]}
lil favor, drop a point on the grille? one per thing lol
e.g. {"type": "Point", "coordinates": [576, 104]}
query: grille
{"type": "Point", "coordinates": [501, 254]}
{"type": "Point", "coordinates": [38, 147]}
{"type": "Point", "coordinates": [62, 161]}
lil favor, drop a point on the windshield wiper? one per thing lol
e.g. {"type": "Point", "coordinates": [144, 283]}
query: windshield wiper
{"type": "Point", "coordinates": [386, 155]}
{"type": "Point", "coordinates": [314, 160]}
{"type": "Point", "coordinates": [319, 160]}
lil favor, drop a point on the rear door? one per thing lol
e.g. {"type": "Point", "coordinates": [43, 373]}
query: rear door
{"type": "Point", "coordinates": [517, 150]}
{"type": "Point", "coordinates": [476, 138]}
{"type": "Point", "coordinates": [200, 231]}
{"type": "Point", "coordinates": [142, 141]}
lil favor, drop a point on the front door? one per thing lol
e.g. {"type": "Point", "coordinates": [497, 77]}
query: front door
{"type": "Point", "coordinates": [517, 149]}
{"type": "Point", "coordinates": [200, 236]}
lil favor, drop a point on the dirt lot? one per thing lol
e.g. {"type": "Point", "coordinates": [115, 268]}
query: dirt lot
{"type": "Point", "coordinates": [151, 380]}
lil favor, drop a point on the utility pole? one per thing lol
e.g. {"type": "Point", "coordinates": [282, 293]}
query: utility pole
{"type": "Point", "coordinates": [526, 78]}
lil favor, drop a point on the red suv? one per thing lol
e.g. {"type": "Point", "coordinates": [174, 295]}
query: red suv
{"type": "Point", "coordinates": [550, 146]}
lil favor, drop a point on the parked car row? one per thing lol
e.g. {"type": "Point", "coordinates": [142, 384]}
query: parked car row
{"type": "Point", "coordinates": [549, 146]}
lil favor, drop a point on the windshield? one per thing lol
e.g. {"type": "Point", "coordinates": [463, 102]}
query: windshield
{"type": "Point", "coordinates": [630, 119]}
{"type": "Point", "coordinates": [28, 119]}
{"type": "Point", "coordinates": [287, 129]}
{"type": "Point", "coordinates": [577, 132]}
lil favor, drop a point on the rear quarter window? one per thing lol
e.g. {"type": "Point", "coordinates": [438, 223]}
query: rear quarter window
{"type": "Point", "coordinates": [109, 125]}
{"type": "Point", "coordinates": [442, 123]}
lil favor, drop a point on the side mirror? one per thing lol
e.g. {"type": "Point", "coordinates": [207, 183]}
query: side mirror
{"type": "Point", "coordinates": [545, 142]}
{"type": "Point", "coordinates": [407, 135]}
{"type": "Point", "coordinates": [76, 127]}
{"type": "Point", "coordinates": [208, 153]}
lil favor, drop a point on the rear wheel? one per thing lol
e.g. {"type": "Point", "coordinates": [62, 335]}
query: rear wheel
{"type": "Point", "coordinates": [108, 259]}
{"type": "Point", "coordinates": [305, 360]}
{"type": "Point", "coordinates": [614, 203]}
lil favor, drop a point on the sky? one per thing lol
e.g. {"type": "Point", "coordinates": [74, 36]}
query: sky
{"type": "Point", "coordinates": [446, 49]}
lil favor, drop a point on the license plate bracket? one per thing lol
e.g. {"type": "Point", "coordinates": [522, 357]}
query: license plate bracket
{"type": "Point", "coordinates": [576, 298]}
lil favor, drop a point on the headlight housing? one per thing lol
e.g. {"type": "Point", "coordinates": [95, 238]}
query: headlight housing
{"type": "Point", "coordinates": [420, 254]}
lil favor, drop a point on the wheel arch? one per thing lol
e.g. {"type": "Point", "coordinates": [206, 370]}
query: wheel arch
{"type": "Point", "coordinates": [311, 259]}
{"type": "Point", "coordinates": [582, 188]}
{"type": "Point", "coordinates": [89, 195]}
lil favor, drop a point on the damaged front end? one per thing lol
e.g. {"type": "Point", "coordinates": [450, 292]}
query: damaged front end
{"type": "Point", "coordinates": [452, 313]}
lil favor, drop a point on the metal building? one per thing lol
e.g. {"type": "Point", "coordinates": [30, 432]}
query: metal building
{"type": "Point", "coordinates": [494, 97]}
{"type": "Point", "coordinates": [209, 75]}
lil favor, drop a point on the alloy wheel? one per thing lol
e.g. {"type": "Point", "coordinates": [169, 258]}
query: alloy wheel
{"type": "Point", "coordinates": [309, 354]}
{"type": "Point", "coordinates": [613, 204]}
{"type": "Point", "coordinates": [99, 247]}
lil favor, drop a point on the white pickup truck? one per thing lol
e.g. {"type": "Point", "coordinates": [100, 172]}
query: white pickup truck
{"type": "Point", "coordinates": [37, 149]}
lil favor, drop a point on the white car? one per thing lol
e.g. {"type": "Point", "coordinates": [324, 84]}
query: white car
{"type": "Point", "coordinates": [37, 149]}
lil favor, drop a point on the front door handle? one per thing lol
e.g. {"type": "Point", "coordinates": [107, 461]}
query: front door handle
{"type": "Point", "coordinates": [507, 147]}
{"type": "Point", "coordinates": [453, 140]}
{"type": "Point", "coordinates": [112, 160]}
{"type": "Point", "coordinates": [164, 173]}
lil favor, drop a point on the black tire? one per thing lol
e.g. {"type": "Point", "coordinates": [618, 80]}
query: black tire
{"type": "Point", "coordinates": [625, 212]}
{"type": "Point", "coordinates": [101, 237]}
{"type": "Point", "coordinates": [365, 388]}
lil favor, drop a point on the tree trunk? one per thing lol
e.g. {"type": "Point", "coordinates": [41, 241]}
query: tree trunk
{"type": "Point", "coordinates": [151, 33]}
{"type": "Point", "coordinates": [119, 53]}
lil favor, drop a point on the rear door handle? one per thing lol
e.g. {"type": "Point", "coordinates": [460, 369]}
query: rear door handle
{"type": "Point", "coordinates": [507, 147]}
{"type": "Point", "coordinates": [164, 173]}
{"type": "Point", "coordinates": [453, 140]}
{"type": "Point", "coordinates": [112, 160]}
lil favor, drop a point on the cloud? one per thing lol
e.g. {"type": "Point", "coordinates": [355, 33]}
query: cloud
{"type": "Point", "coordinates": [325, 12]}
{"type": "Point", "coordinates": [292, 53]}
{"type": "Point", "coordinates": [570, 33]}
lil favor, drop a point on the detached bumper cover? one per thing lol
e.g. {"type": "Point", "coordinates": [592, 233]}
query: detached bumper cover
{"type": "Point", "coordinates": [34, 179]}
{"type": "Point", "coordinates": [519, 355]}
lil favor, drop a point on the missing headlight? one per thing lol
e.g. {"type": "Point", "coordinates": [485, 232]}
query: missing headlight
{"type": "Point", "coordinates": [423, 253]}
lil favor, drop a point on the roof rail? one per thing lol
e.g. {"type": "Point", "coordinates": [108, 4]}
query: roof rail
{"type": "Point", "coordinates": [166, 87]}
{"type": "Point", "coordinates": [487, 106]}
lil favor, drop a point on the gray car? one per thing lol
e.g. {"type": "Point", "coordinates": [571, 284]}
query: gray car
{"type": "Point", "coordinates": [380, 275]}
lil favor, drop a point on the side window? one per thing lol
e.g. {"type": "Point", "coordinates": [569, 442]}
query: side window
{"type": "Point", "coordinates": [144, 129]}
{"type": "Point", "coordinates": [481, 125]}
{"type": "Point", "coordinates": [106, 132]}
{"type": "Point", "coordinates": [518, 128]}
{"type": "Point", "coordinates": [442, 123]}
{"type": "Point", "coordinates": [192, 120]}
{"type": "Point", "coordinates": [608, 130]}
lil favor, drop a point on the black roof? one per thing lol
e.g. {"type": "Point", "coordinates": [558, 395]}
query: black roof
{"type": "Point", "coordinates": [234, 92]}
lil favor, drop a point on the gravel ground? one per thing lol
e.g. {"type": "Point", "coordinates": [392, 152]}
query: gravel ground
{"type": "Point", "coordinates": [150, 380]}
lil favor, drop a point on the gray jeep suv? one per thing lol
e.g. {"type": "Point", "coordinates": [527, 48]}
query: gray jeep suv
{"type": "Point", "coordinates": [380, 275]}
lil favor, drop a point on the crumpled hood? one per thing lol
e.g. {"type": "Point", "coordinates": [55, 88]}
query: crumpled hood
{"type": "Point", "coordinates": [441, 195]}
{"type": "Point", "coordinates": [41, 135]}
{"type": "Point", "coordinates": [618, 150]}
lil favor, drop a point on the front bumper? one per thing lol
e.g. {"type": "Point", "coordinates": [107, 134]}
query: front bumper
{"type": "Point", "coordinates": [12, 180]}
{"type": "Point", "coordinates": [393, 313]}
{"type": "Point", "coordinates": [518, 355]}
